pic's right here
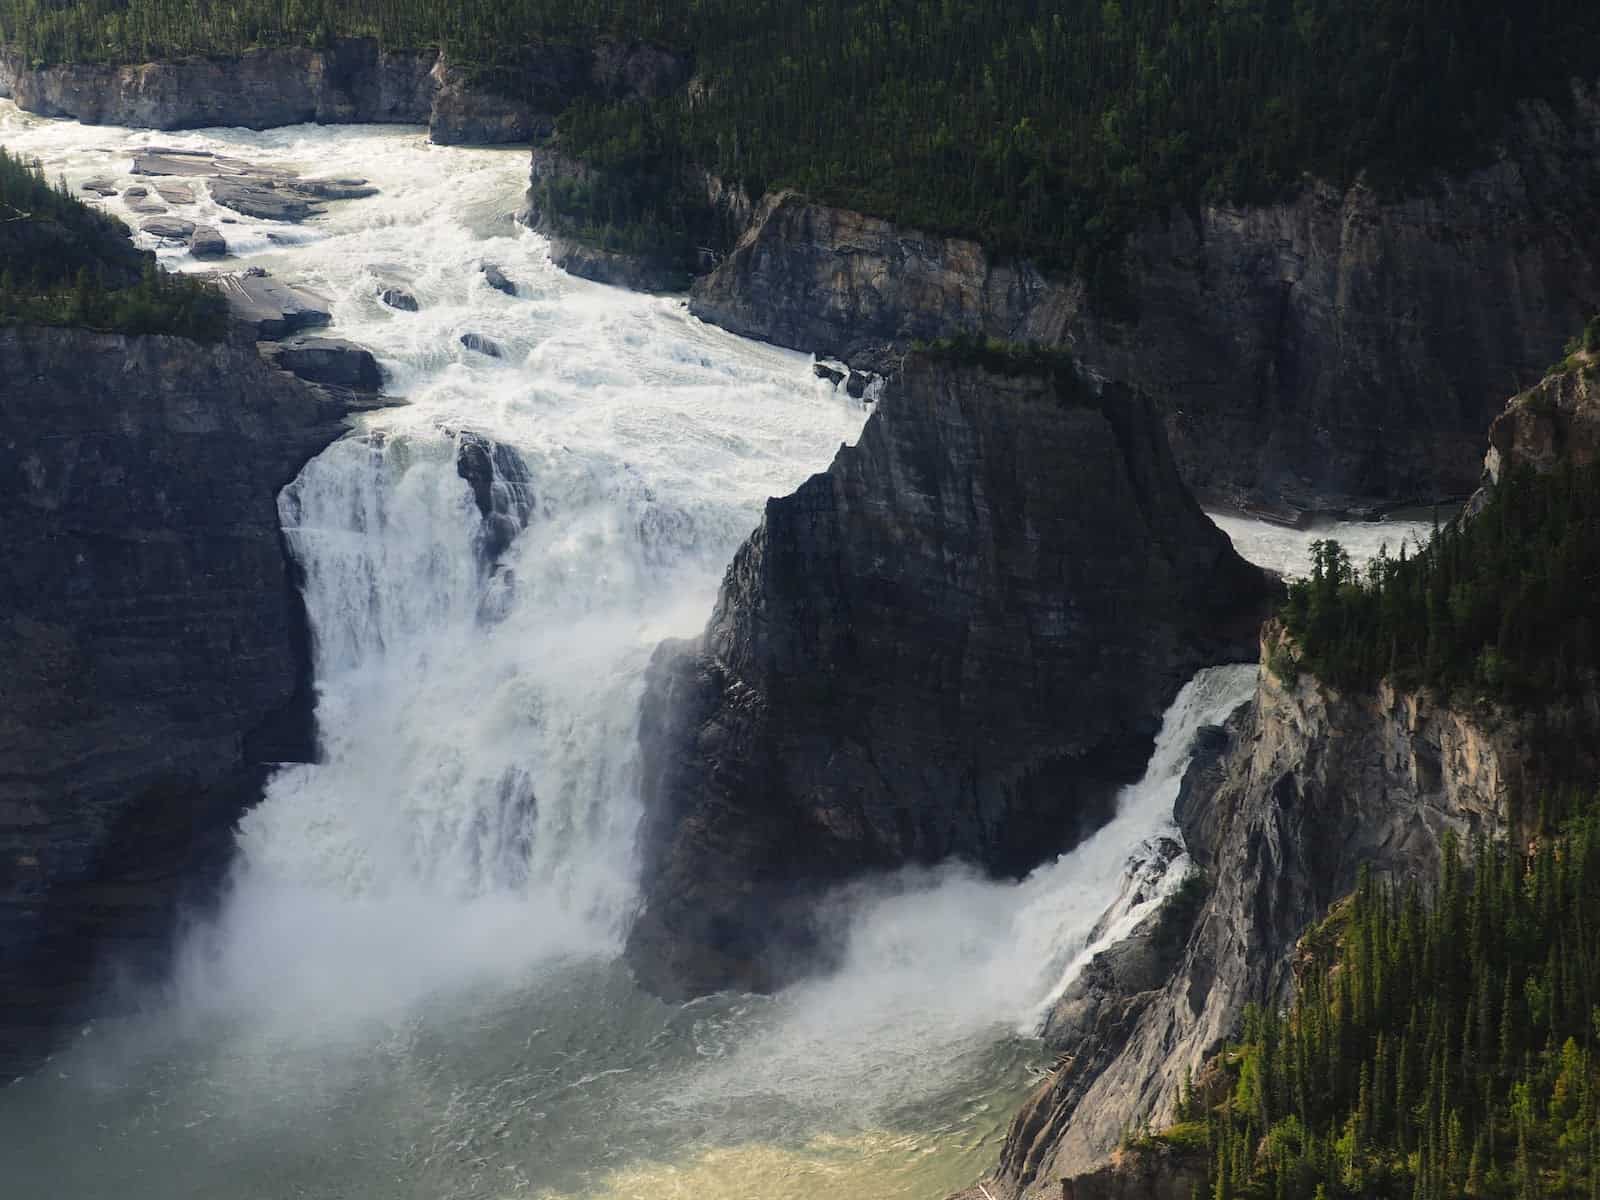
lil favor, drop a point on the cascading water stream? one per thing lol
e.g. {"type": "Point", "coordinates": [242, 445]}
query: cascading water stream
{"type": "Point", "coordinates": [412, 987]}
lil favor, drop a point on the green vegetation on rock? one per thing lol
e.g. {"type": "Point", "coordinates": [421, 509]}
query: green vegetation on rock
{"type": "Point", "coordinates": [1040, 127]}
{"type": "Point", "coordinates": [63, 263]}
{"type": "Point", "coordinates": [1500, 605]}
{"type": "Point", "coordinates": [1439, 1046]}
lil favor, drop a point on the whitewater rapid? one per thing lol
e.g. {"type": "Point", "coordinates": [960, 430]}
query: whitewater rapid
{"type": "Point", "coordinates": [412, 986]}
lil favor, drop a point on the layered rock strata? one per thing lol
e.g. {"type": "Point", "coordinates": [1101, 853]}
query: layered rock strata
{"type": "Point", "coordinates": [1282, 810]}
{"type": "Point", "coordinates": [351, 81]}
{"type": "Point", "coordinates": [156, 648]}
{"type": "Point", "coordinates": [956, 642]}
{"type": "Point", "coordinates": [1342, 350]}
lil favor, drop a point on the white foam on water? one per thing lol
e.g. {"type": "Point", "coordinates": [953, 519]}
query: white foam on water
{"type": "Point", "coordinates": [471, 821]}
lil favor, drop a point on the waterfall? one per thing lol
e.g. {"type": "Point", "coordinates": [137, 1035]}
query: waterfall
{"type": "Point", "coordinates": [412, 986]}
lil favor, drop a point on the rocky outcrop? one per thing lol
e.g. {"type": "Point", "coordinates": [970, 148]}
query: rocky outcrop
{"type": "Point", "coordinates": [1282, 810]}
{"type": "Point", "coordinates": [351, 81]}
{"type": "Point", "coordinates": [268, 309]}
{"type": "Point", "coordinates": [156, 650]}
{"type": "Point", "coordinates": [1557, 420]}
{"type": "Point", "coordinates": [558, 205]}
{"type": "Point", "coordinates": [333, 361]}
{"type": "Point", "coordinates": [955, 642]}
{"type": "Point", "coordinates": [1339, 351]}
{"type": "Point", "coordinates": [502, 488]}
{"type": "Point", "coordinates": [1154, 1173]}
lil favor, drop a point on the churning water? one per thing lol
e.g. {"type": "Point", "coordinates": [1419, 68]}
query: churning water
{"type": "Point", "coordinates": [412, 987]}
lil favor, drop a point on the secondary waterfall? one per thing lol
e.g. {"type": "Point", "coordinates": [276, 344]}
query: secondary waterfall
{"type": "Point", "coordinates": [412, 987]}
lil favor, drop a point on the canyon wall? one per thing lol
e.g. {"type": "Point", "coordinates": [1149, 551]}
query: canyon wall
{"type": "Point", "coordinates": [1282, 810]}
{"type": "Point", "coordinates": [157, 654]}
{"type": "Point", "coordinates": [956, 642]}
{"type": "Point", "coordinates": [1341, 350]}
{"type": "Point", "coordinates": [353, 80]}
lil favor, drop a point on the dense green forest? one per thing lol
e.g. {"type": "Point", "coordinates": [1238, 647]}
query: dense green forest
{"type": "Point", "coordinates": [1438, 1047]}
{"type": "Point", "coordinates": [63, 263]}
{"type": "Point", "coordinates": [1501, 605]}
{"type": "Point", "coordinates": [1045, 127]}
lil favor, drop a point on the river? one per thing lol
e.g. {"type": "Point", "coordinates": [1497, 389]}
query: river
{"type": "Point", "coordinates": [412, 987]}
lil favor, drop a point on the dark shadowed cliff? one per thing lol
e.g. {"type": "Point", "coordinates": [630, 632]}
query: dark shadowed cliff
{"type": "Point", "coordinates": [1340, 350]}
{"type": "Point", "coordinates": [155, 648]}
{"type": "Point", "coordinates": [955, 642]}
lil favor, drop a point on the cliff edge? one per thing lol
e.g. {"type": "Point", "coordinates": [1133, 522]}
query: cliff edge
{"type": "Point", "coordinates": [1340, 350]}
{"type": "Point", "coordinates": [159, 658]}
{"type": "Point", "coordinates": [956, 642]}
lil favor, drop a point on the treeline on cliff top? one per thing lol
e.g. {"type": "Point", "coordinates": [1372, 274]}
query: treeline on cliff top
{"type": "Point", "coordinates": [1044, 127]}
{"type": "Point", "coordinates": [1438, 1047]}
{"type": "Point", "coordinates": [1501, 605]}
{"type": "Point", "coordinates": [63, 263]}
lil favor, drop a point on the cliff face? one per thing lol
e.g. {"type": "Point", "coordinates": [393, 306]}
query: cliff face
{"type": "Point", "coordinates": [157, 655]}
{"type": "Point", "coordinates": [1557, 420]}
{"type": "Point", "coordinates": [720, 212]}
{"type": "Point", "coordinates": [1281, 810]}
{"type": "Point", "coordinates": [955, 642]}
{"type": "Point", "coordinates": [1336, 351]}
{"type": "Point", "coordinates": [353, 81]}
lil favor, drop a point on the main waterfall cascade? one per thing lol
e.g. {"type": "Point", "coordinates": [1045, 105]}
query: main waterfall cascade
{"type": "Point", "coordinates": [412, 986]}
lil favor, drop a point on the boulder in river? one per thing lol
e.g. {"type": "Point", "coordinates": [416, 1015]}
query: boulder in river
{"type": "Point", "coordinates": [856, 385]}
{"type": "Point", "coordinates": [173, 229]}
{"type": "Point", "coordinates": [138, 199]}
{"type": "Point", "coordinates": [274, 309]}
{"type": "Point", "coordinates": [337, 189]}
{"type": "Point", "coordinates": [265, 199]}
{"type": "Point", "coordinates": [502, 488]}
{"type": "Point", "coordinates": [496, 279]}
{"type": "Point", "coordinates": [100, 185]}
{"type": "Point", "coordinates": [832, 374]}
{"type": "Point", "coordinates": [483, 345]}
{"type": "Point", "coordinates": [172, 162]}
{"type": "Point", "coordinates": [206, 242]}
{"type": "Point", "coordinates": [327, 360]}
{"type": "Point", "coordinates": [398, 297]}
{"type": "Point", "coordinates": [175, 193]}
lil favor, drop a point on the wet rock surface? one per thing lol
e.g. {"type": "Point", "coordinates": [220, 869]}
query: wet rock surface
{"type": "Point", "coordinates": [956, 642]}
{"type": "Point", "coordinates": [482, 345]}
{"type": "Point", "coordinates": [326, 360]}
{"type": "Point", "coordinates": [175, 193]}
{"type": "Point", "coordinates": [172, 229]}
{"type": "Point", "coordinates": [502, 488]}
{"type": "Point", "coordinates": [265, 199]}
{"type": "Point", "coordinates": [206, 242]}
{"type": "Point", "coordinates": [337, 189]}
{"type": "Point", "coordinates": [496, 278]}
{"type": "Point", "coordinates": [399, 298]}
{"type": "Point", "coordinates": [271, 310]}
{"type": "Point", "coordinates": [139, 200]}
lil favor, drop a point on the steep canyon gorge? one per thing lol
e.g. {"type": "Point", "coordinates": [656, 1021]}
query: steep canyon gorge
{"type": "Point", "coordinates": [929, 684]}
